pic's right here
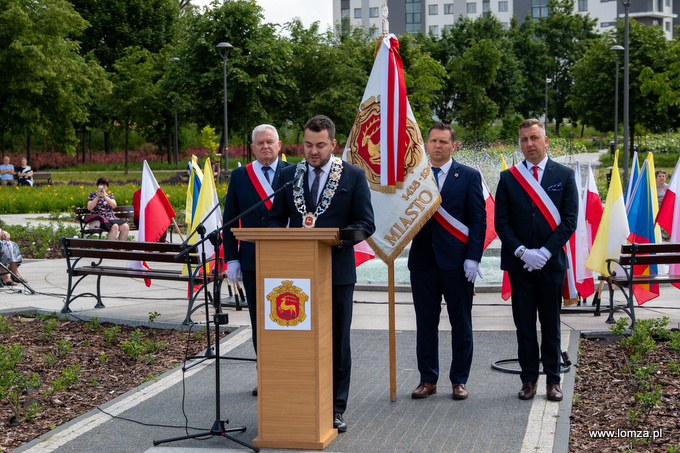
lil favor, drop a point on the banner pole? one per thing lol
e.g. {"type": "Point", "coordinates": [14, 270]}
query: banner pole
{"type": "Point", "coordinates": [392, 327]}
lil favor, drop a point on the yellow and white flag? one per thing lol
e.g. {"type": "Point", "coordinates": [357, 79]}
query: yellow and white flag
{"type": "Point", "coordinates": [386, 143]}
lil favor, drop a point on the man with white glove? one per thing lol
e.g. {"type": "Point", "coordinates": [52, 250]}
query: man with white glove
{"type": "Point", "coordinates": [536, 212]}
{"type": "Point", "coordinates": [471, 268]}
{"type": "Point", "coordinates": [233, 270]}
{"type": "Point", "coordinates": [249, 185]}
{"type": "Point", "coordinates": [444, 262]}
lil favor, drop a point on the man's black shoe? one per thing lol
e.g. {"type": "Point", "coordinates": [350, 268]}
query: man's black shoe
{"type": "Point", "coordinates": [339, 423]}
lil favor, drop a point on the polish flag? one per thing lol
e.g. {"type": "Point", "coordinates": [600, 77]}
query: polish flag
{"type": "Point", "coordinates": [490, 215]}
{"type": "Point", "coordinates": [155, 214]}
{"type": "Point", "coordinates": [155, 210]}
{"type": "Point", "coordinates": [362, 253]}
{"type": "Point", "coordinates": [593, 208]}
{"type": "Point", "coordinates": [669, 213]}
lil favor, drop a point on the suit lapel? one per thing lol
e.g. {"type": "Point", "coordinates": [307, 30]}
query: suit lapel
{"type": "Point", "coordinates": [451, 177]}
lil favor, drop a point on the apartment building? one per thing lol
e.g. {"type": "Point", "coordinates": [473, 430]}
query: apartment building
{"type": "Point", "coordinates": [432, 16]}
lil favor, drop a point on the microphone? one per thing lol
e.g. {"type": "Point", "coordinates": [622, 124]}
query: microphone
{"type": "Point", "coordinates": [299, 176]}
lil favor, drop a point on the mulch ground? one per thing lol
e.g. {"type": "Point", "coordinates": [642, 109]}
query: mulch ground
{"type": "Point", "coordinates": [604, 393]}
{"type": "Point", "coordinates": [51, 345]}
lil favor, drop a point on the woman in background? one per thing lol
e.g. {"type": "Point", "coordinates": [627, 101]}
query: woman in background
{"type": "Point", "coordinates": [101, 204]}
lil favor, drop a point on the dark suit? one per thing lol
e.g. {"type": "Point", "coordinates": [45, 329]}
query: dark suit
{"type": "Point", "coordinates": [349, 208]}
{"type": "Point", "coordinates": [519, 222]}
{"type": "Point", "coordinates": [436, 266]}
{"type": "Point", "coordinates": [242, 195]}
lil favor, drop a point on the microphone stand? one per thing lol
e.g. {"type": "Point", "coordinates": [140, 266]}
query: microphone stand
{"type": "Point", "coordinates": [219, 318]}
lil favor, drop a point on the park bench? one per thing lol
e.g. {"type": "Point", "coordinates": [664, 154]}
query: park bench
{"type": "Point", "coordinates": [159, 256]}
{"type": "Point", "coordinates": [39, 176]}
{"type": "Point", "coordinates": [126, 213]}
{"type": "Point", "coordinates": [638, 255]}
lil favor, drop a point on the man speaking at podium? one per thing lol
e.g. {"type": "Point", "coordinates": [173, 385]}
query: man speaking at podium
{"type": "Point", "coordinates": [329, 193]}
{"type": "Point", "coordinates": [249, 185]}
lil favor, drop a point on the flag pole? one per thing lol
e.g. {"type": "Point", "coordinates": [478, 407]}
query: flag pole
{"type": "Point", "coordinates": [392, 328]}
{"type": "Point", "coordinates": [178, 230]}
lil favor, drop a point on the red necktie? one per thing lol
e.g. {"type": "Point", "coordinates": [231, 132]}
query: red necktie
{"type": "Point", "coordinates": [535, 170]}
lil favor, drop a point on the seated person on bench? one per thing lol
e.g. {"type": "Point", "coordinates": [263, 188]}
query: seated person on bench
{"type": "Point", "coordinates": [10, 256]}
{"type": "Point", "coordinates": [101, 204]}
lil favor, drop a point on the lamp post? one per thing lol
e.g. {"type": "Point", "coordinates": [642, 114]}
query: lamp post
{"type": "Point", "coordinates": [224, 48]}
{"type": "Point", "coordinates": [616, 50]}
{"type": "Point", "coordinates": [545, 124]}
{"type": "Point", "coordinates": [175, 105]}
{"type": "Point", "coordinates": [626, 98]}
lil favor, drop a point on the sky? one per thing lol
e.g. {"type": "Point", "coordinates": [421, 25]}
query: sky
{"type": "Point", "coordinates": [282, 11]}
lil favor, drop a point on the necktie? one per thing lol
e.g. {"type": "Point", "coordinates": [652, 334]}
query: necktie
{"type": "Point", "coordinates": [265, 170]}
{"type": "Point", "coordinates": [535, 170]}
{"type": "Point", "coordinates": [315, 184]}
{"type": "Point", "coordinates": [436, 171]}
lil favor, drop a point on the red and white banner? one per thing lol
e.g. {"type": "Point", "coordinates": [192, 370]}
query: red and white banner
{"type": "Point", "coordinates": [668, 216]}
{"type": "Point", "coordinates": [392, 114]}
{"type": "Point", "coordinates": [385, 142]}
{"type": "Point", "coordinates": [537, 194]}
{"type": "Point", "coordinates": [490, 206]}
{"type": "Point", "coordinates": [155, 213]}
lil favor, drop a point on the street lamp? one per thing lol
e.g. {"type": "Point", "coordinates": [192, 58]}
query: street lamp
{"type": "Point", "coordinates": [175, 104]}
{"type": "Point", "coordinates": [224, 48]}
{"type": "Point", "coordinates": [547, 81]}
{"type": "Point", "coordinates": [626, 99]}
{"type": "Point", "coordinates": [616, 50]}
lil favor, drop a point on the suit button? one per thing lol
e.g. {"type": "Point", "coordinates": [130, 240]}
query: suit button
{"type": "Point", "coordinates": [533, 214]}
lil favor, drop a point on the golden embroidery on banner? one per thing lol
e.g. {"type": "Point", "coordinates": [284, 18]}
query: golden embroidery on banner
{"type": "Point", "coordinates": [287, 304]}
{"type": "Point", "coordinates": [364, 144]}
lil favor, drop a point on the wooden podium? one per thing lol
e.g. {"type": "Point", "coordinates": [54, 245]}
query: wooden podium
{"type": "Point", "coordinates": [294, 336]}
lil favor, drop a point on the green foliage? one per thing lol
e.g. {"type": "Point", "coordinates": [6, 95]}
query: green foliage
{"type": "Point", "coordinates": [5, 325]}
{"type": "Point", "coordinates": [566, 35]}
{"type": "Point", "coordinates": [40, 238]}
{"type": "Point", "coordinates": [94, 325]}
{"type": "Point", "coordinates": [47, 330]}
{"type": "Point", "coordinates": [13, 383]}
{"type": "Point", "coordinates": [64, 347]}
{"type": "Point", "coordinates": [208, 137]}
{"type": "Point", "coordinates": [50, 359]}
{"type": "Point", "coordinates": [153, 316]}
{"type": "Point", "coordinates": [111, 334]}
{"type": "Point", "coordinates": [511, 123]}
{"type": "Point", "coordinates": [102, 358]}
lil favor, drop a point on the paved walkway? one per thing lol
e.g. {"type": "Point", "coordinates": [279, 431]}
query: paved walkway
{"type": "Point", "coordinates": [492, 419]}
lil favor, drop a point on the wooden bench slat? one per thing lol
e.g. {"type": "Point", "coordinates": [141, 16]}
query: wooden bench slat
{"type": "Point", "coordinates": [131, 255]}
{"type": "Point", "coordinates": [631, 256]}
{"type": "Point", "coordinates": [162, 253]}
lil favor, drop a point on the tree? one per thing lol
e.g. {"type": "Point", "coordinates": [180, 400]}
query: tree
{"type": "Point", "coordinates": [566, 35]}
{"type": "Point", "coordinates": [665, 82]}
{"type": "Point", "coordinates": [592, 97]}
{"type": "Point", "coordinates": [473, 73]}
{"type": "Point", "coordinates": [531, 55]}
{"type": "Point", "coordinates": [256, 66]}
{"type": "Point", "coordinates": [44, 83]}
{"type": "Point", "coordinates": [135, 94]}
{"type": "Point", "coordinates": [504, 89]}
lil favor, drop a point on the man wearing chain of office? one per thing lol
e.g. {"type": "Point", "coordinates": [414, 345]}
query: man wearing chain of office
{"type": "Point", "coordinates": [329, 193]}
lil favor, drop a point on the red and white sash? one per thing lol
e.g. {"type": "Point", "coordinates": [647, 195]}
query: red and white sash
{"type": "Point", "coordinates": [537, 194]}
{"type": "Point", "coordinates": [262, 187]}
{"type": "Point", "coordinates": [452, 224]}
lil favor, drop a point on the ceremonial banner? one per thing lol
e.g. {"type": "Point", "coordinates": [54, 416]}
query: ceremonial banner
{"type": "Point", "coordinates": [386, 143]}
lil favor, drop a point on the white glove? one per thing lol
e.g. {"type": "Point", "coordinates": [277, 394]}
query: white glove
{"type": "Point", "coordinates": [533, 259]}
{"type": "Point", "coordinates": [233, 270]}
{"type": "Point", "coordinates": [471, 268]}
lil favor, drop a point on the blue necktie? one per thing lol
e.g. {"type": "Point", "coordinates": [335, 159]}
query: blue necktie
{"type": "Point", "coordinates": [436, 171]}
{"type": "Point", "coordinates": [315, 185]}
{"type": "Point", "coordinates": [265, 170]}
